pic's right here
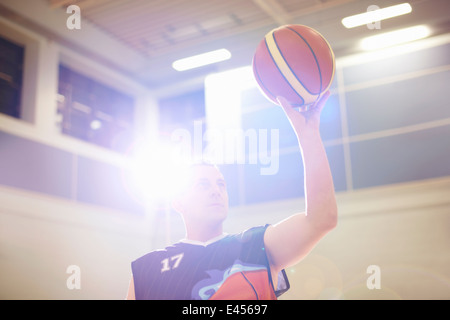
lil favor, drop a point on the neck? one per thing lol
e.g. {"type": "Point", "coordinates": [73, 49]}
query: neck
{"type": "Point", "coordinates": [203, 233]}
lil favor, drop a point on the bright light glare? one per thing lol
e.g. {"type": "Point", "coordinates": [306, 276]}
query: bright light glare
{"type": "Point", "coordinates": [376, 15]}
{"type": "Point", "coordinates": [201, 60]}
{"type": "Point", "coordinates": [96, 124]}
{"type": "Point", "coordinates": [223, 109]}
{"type": "Point", "coordinates": [395, 37]}
{"type": "Point", "coordinates": [157, 171]}
{"type": "Point", "coordinates": [223, 97]}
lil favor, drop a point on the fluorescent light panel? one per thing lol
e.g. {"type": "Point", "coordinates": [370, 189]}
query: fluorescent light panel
{"type": "Point", "coordinates": [201, 60]}
{"type": "Point", "coordinates": [376, 15]}
{"type": "Point", "coordinates": [392, 38]}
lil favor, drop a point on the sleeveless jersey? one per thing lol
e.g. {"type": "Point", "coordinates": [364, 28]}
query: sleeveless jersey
{"type": "Point", "coordinates": [234, 267]}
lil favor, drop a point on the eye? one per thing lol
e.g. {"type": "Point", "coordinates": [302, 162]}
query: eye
{"type": "Point", "coordinates": [222, 184]}
{"type": "Point", "coordinates": [203, 184]}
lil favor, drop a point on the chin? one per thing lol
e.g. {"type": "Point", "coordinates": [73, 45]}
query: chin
{"type": "Point", "coordinates": [219, 213]}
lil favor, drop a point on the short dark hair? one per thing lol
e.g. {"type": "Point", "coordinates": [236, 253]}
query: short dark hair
{"type": "Point", "coordinates": [202, 162]}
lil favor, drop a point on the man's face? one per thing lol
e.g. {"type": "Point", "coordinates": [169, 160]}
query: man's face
{"type": "Point", "coordinates": [206, 197]}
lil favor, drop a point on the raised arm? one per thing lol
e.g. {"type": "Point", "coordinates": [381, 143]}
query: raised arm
{"type": "Point", "coordinates": [288, 241]}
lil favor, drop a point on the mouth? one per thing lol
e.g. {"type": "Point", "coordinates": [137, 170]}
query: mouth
{"type": "Point", "coordinates": [215, 205]}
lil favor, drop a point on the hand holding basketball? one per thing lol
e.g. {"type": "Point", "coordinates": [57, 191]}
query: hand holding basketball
{"type": "Point", "coordinates": [304, 121]}
{"type": "Point", "coordinates": [295, 62]}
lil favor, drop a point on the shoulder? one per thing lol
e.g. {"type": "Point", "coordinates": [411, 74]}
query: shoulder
{"type": "Point", "coordinates": [252, 234]}
{"type": "Point", "coordinates": [249, 240]}
{"type": "Point", "coordinates": [150, 255]}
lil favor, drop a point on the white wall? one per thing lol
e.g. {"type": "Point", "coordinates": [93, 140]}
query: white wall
{"type": "Point", "coordinates": [41, 237]}
{"type": "Point", "coordinates": [403, 229]}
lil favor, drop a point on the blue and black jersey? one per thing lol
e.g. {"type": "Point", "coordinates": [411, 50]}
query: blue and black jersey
{"type": "Point", "coordinates": [230, 267]}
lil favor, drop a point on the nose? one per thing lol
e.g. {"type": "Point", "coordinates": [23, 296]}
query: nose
{"type": "Point", "coordinates": [216, 191]}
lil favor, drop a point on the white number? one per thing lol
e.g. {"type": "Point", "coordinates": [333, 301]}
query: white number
{"type": "Point", "coordinates": [177, 259]}
{"type": "Point", "coordinates": [166, 265]}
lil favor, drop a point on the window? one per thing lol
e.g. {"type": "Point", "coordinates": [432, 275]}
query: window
{"type": "Point", "coordinates": [11, 72]}
{"type": "Point", "coordinates": [93, 112]}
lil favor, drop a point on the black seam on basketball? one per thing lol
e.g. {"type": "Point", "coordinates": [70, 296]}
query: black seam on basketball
{"type": "Point", "coordinates": [276, 65]}
{"type": "Point", "coordinates": [295, 75]}
{"type": "Point", "coordinates": [261, 82]}
{"type": "Point", "coordinates": [315, 58]}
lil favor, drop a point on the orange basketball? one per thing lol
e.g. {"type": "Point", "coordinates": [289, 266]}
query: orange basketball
{"type": "Point", "coordinates": [295, 62]}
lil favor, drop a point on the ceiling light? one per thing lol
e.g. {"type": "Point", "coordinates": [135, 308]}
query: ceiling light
{"type": "Point", "coordinates": [201, 60]}
{"type": "Point", "coordinates": [376, 15]}
{"type": "Point", "coordinates": [392, 38]}
{"type": "Point", "coordinates": [96, 124]}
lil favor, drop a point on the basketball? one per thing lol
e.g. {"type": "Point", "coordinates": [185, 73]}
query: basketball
{"type": "Point", "coordinates": [295, 62]}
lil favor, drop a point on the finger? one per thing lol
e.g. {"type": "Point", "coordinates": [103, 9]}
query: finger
{"type": "Point", "coordinates": [321, 103]}
{"type": "Point", "coordinates": [287, 107]}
